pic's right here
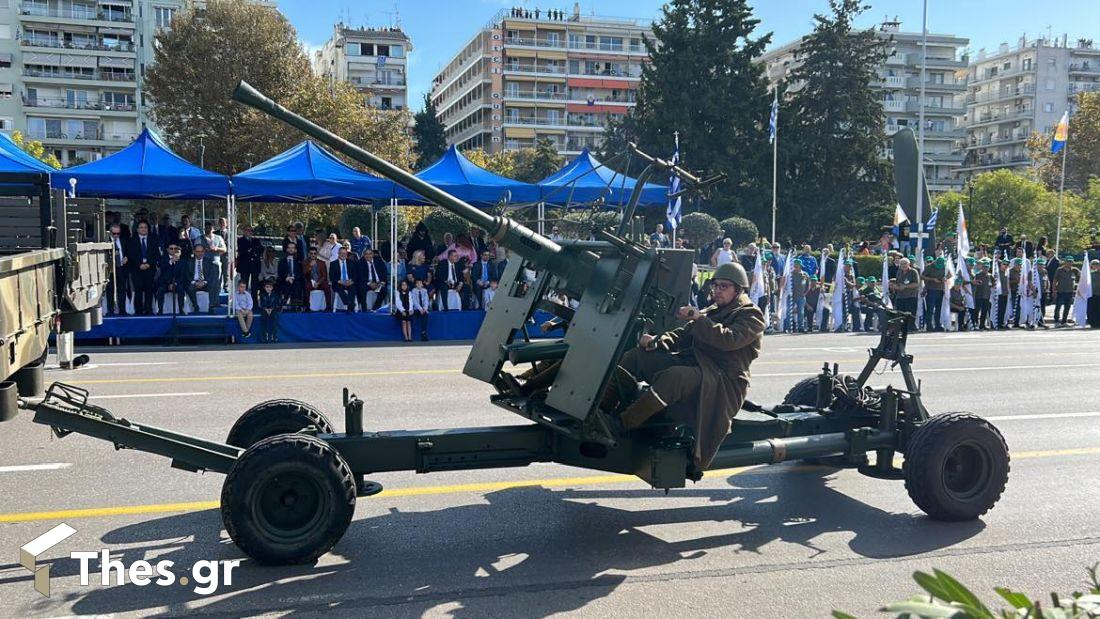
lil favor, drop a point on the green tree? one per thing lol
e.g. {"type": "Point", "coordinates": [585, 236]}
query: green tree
{"type": "Point", "coordinates": [834, 182]}
{"type": "Point", "coordinates": [739, 230]}
{"type": "Point", "coordinates": [702, 82]}
{"type": "Point", "coordinates": [698, 229]}
{"type": "Point", "coordinates": [503, 163]}
{"type": "Point", "coordinates": [200, 59]}
{"type": "Point", "coordinates": [35, 149]}
{"type": "Point", "coordinates": [430, 140]}
{"type": "Point", "coordinates": [1082, 148]}
{"type": "Point", "coordinates": [535, 164]}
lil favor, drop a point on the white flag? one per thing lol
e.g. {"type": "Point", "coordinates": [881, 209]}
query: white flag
{"type": "Point", "coordinates": [1037, 297]}
{"type": "Point", "coordinates": [948, 283]}
{"type": "Point", "coordinates": [886, 280]}
{"type": "Point", "coordinates": [963, 240]}
{"type": "Point", "coordinates": [819, 311]}
{"type": "Point", "coordinates": [994, 314]}
{"type": "Point", "coordinates": [838, 293]}
{"type": "Point", "coordinates": [967, 289]}
{"type": "Point", "coordinates": [785, 295]}
{"type": "Point", "coordinates": [1026, 300]}
{"type": "Point", "coordinates": [1084, 291]}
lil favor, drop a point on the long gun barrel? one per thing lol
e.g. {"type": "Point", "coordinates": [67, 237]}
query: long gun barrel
{"type": "Point", "coordinates": [541, 251]}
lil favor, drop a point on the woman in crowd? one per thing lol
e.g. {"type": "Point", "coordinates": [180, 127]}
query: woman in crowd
{"type": "Point", "coordinates": [420, 241]}
{"type": "Point", "coordinates": [269, 266]}
{"type": "Point", "coordinates": [328, 250]}
{"type": "Point", "coordinates": [465, 248]}
{"type": "Point", "coordinates": [448, 245]}
{"type": "Point", "coordinates": [723, 255]}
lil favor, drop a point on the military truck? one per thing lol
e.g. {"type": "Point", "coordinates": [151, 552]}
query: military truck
{"type": "Point", "coordinates": [54, 268]}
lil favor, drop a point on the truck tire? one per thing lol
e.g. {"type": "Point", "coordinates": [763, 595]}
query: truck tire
{"type": "Point", "coordinates": [804, 393]}
{"type": "Point", "coordinates": [956, 466]}
{"type": "Point", "coordinates": [276, 417]}
{"type": "Point", "coordinates": [31, 379]}
{"type": "Point", "coordinates": [288, 499]}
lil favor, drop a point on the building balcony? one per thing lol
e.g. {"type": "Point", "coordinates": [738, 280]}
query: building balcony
{"type": "Point", "coordinates": [989, 163]}
{"type": "Point", "coordinates": [76, 12]}
{"type": "Point", "coordinates": [67, 104]}
{"type": "Point", "coordinates": [383, 84]}
{"type": "Point", "coordinates": [996, 118]}
{"type": "Point", "coordinates": [69, 45]}
{"type": "Point", "coordinates": [101, 138]}
{"type": "Point", "coordinates": [913, 59]}
{"type": "Point", "coordinates": [893, 106]}
{"type": "Point", "coordinates": [944, 110]}
{"type": "Point", "coordinates": [97, 76]}
{"type": "Point", "coordinates": [936, 185]}
{"type": "Point", "coordinates": [1073, 89]}
{"type": "Point", "coordinates": [561, 44]}
{"type": "Point", "coordinates": [914, 84]}
{"type": "Point", "coordinates": [891, 81]}
{"type": "Point", "coordinates": [536, 95]}
{"type": "Point", "coordinates": [1015, 137]}
{"type": "Point", "coordinates": [532, 69]}
{"type": "Point", "coordinates": [1085, 68]}
{"type": "Point", "coordinates": [555, 123]}
{"type": "Point", "coordinates": [981, 79]}
{"type": "Point", "coordinates": [1023, 90]}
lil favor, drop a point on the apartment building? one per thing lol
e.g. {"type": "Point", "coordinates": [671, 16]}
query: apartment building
{"type": "Point", "coordinates": [1021, 89]}
{"type": "Point", "coordinates": [374, 60]}
{"type": "Point", "coordinates": [71, 70]}
{"type": "Point", "coordinates": [899, 84]}
{"type": "Point", "coordinates": [531, 74]}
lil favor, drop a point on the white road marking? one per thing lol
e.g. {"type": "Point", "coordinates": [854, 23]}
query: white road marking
{"type": "Point", "coordinates": [23, 468]}
{"type": "Point", "coordinates": [958, 369]}
{"type": "Point", "coordinates": [121, 364]}
{"type": "Point", "coordinates": [180, 394]}
{"type": "Point", "coordinates": [1042, 416]}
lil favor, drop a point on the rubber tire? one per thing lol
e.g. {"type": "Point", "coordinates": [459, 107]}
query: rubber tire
{"type": "Point", "coordinates": [804, 393]}
{"type": "Point", "coordinates": [926, 457]}
{"type": "Point", "coordinates": [275, 417]}
{"type": "Point", "coordinates": [307, 457]}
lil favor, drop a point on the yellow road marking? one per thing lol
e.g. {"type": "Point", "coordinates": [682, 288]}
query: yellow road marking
{"type": "Point", "coordinates": [557, 482]}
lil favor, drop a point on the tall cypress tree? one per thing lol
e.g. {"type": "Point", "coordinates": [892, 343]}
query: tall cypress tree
{"type": "Point", "coordinates": [430, 140]}
{"type": "Point", "coordinates": [833, 181]}
{"type": "Point", "coordinates": [701, 81]}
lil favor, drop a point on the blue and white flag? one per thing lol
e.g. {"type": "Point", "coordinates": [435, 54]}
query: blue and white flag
{"type": "Point", "coordinates": [673, 214]}
{"type": "Point", "coordinates": [930, 225]}
{"type": "Point", "coordinates": [773, 119]}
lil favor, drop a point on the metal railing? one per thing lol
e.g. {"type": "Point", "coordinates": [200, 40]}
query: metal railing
{"type": "Point", "coordinates": [76, 12]}
{"type": "Point", "coordinates": [583, 45]}
{"type": "Point", "coordinates": [366, 81]}
{"type": "Point", "coordinates": [530, 68]}
{"type": "Point", "coordinates": [1003, 93]}
{"type": "Point", "coordinates": [64, 103]}
{"type": "Point", "coordinates": [81, 136]}
{"type": "Point", "coordinates": [999, 117]}
{"type": "Point", "coordinates": [1084, 68]}
{"type": "Point", "coordinates": [55, 44]}
{"type": "Point", "coordinates": [96, 75]}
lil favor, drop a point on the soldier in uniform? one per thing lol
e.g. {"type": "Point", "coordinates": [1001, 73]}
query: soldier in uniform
{"type": "Point", "coordinates": [1042, 287]}
{"type": "Point", "coordinates": [982, 283]}
{"type": "Point", "coordinates": [700, 372]}
{"type": "Point", "coordinates": [905, 287]}
{"type": "Point", "coordinates": [871, 302]}
{"type": "Point", "coordinates": [1014, 289]}
{"type": "Point", "coordinates": [1065, 284]}
{"type": "Point", "coordinates": [935, 275]}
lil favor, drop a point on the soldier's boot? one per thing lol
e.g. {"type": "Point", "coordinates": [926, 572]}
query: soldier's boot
{"type": "Point", "coordinates": [647, 405]}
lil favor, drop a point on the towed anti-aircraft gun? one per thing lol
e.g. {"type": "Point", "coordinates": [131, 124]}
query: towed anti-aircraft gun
{"type": "Point", "coordinates": [292, 480]}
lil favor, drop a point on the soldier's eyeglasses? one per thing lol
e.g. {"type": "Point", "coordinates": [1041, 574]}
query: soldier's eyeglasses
{"type": "Point", "coordinates": [723, 285]}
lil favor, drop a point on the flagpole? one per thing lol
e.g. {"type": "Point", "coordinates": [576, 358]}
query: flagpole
{"type": "Point", "coordinates": [1061, 199]}
{"type": "Point", "coordinates": [676, 228]}
{"type": "Point", "coordinates": [775, 161]}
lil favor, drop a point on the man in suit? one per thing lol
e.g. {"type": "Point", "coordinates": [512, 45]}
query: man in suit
{"type": "Point", "coordinates": [293, 237]}
{"type": "Point", "coordinates": [202, 274]}
{"type": "Point", "coordinates": [142, 261]}
{"type": "Point", "coordinates": [373, 276]}
{"type": "Point", "coordinates": [249, 252]}
{"type": "Point", "coordinates": [115, 219]}
{"type": "Point", "coordinates": [502, 265]}
{"type": "Point", "coordinates": [448, 276]}
{"type": "Point", "coordinates": [482, 273]}
{"type": "Point", "coordinates": [173, 279]}
{"type": "Point", "coordinates": [119, 285]}
{"type": "Point", "coordinates": [194, 235]}
{"type": "Point", "coordinates": [342, 276]}
{"type": "Point", "coordinates": [290, 274]}
{"type": "Point", "coordinates": [165, 232]}
{"type": "Point", "coordinates": [315, 277]}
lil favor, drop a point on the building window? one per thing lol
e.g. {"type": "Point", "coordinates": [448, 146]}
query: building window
{"type": "Point", "coordinates": [396, 51]}
{"type": "Point", "coordinates": [382, 50]}
{"type": "Point", "coordinates": [1007, 66]}
{"type": "Point", "coordinates": [352, 49]}
{"type": "Point", "coordinates": [1048, 107]}
{"type": "Point", "coordinates": [1050, 84]}
{"type": "Point", "coordinates": [5, 61]}
{"type": "Point", "coordinates": [1027, 64]}
{"type": "Point", "coordinates": [163, 15]}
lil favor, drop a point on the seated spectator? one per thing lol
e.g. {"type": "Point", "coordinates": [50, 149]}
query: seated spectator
{"type": "Point", "coordinates": [242, 301]}
{"type": "Point", "coordinates": [269, 267]}
{"type": "Point", "coordinates": [315, 273]}
{"type": "Point", "coordinates": [448, 244]}
{"type": "Point", "coordinates": [448, 277]}
{"type": "Point", "coordinates": [402, 309]}
{"type": "Point", "coordinates": [482, 273]}
{"type": "Point", "coordinates": [203, 275]}
{"type": "Point", "coordinates": [488, 294]}
{"type": "Point", "coordinates": [372, 277]}
{"type": "Point", "coordinates": [172, 279]}
{"type": "Point", "coordinates": [342, 279]}
{"type": "Point", "coordinates": [271, 303]}
{"type": "Point", "coordinates": [290, 278]}
{"type": "Point", "coordinates": [465, 248]}
{"type": "Point", "coordinates": [417, 270]}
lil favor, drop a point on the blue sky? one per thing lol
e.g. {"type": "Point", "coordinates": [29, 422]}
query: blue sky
{"type": "Point", "coordinates": [440, 27]}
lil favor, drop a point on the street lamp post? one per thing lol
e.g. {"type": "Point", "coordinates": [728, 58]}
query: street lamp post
{"type": "Point", "coordinates": [202, 164]}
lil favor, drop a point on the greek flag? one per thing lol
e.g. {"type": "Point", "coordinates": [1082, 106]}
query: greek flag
{"type": "Point", "coordinates": [673, 214]}
{"type": "Point", "coordinates": [931, 224]}
{"type": "Point", "coordinates": [773, 120]}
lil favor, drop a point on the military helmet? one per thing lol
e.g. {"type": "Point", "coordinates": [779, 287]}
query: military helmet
{"type": "Point", "coordinates": [734, 272]}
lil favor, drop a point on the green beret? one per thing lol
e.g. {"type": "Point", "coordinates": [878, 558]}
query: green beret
{"type": "Point", "coordinates": [1040, 261]}
{"type": "Point", "coordinates": [861, 280]}
{"type": "Point", "coordinates": [872, 279]}
{"type": "Point", "coordinates": [928, 259]}
{"type": "Point", "coordinates": [813, 278]}
{"type": "Point", "coordinates": [971, 260]}
{"type": "Point", "coordinates": [1067, 258]}
{"type": "Point", "coordinates": [911, 257]}
{"type": "Point", "coordinates": [985, 261]}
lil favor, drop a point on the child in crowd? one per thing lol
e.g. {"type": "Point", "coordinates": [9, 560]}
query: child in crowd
{"type": "Point", "coordinates": [419, 301]}
{"type": "Point", "coordinates": [402, 309]}
{"type": "Point", "coordinates": [488, 294]}
{"type": "Point", "coordinates": [271, 303]}
{"type": "Point", "coordinates": [242, 300]}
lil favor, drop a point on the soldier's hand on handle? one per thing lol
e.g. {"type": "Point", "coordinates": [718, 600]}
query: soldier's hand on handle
{"type": "Point", "coordinates": [687, 312]}
{"type": "Point", "coordinates": [647, 342]}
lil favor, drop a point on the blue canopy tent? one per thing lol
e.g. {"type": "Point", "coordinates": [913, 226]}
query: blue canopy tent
{"type": "Point", "coordinates": [585, 179]}
{"type": "Point", "coordinates": [15, 159]}
{"type": "Point", "coordinates": [146, 169]}
{"type": "Point", "coordinates": [460, 177]}
{"type": "Point", "coordinates": [307, 173]}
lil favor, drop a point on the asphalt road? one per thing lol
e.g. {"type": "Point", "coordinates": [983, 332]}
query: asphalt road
{"type": "Point", "coordinates": [780, 541]}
